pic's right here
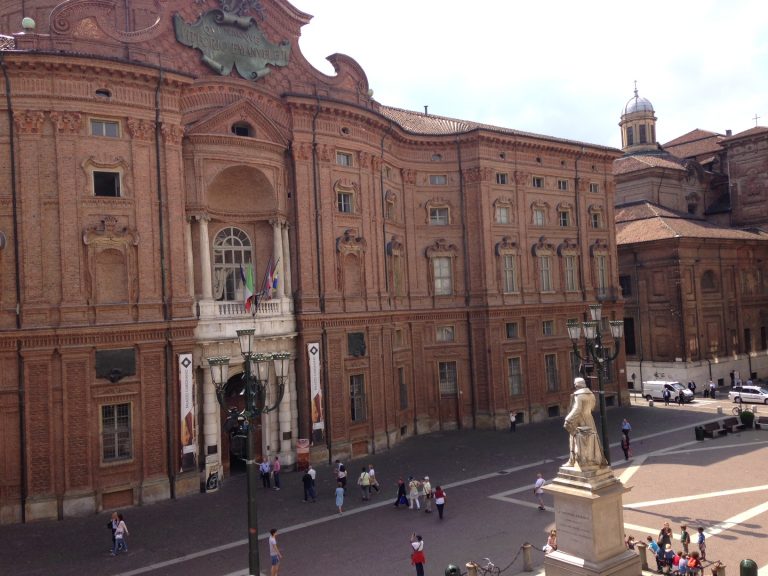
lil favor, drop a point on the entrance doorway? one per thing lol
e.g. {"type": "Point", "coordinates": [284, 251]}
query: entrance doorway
{"type": "Point", "coordinates": [235, 428]}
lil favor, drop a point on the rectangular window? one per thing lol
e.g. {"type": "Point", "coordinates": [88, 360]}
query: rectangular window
{"type": "Point", "coordinates": [502, 178]}
{"type": "Point", "coordinates": [106, 128]}
{"type": "Point", "coordinates": [630, 136]}
{"type": "Point", "coordinates": [106, 184]}
{"type": "Point", "coordinates": [390, 211]}
{"type": "Point", "coordinates": [441, 268]}
{"type": "Point", "coordinates": [356, 344]}
{"type": "Point", "coordinates": [643, 135]}
{"type": "Point", "coordinates": [448, 379]}
{"type": "Point", "coordinates": [538, 217]}
{"type": "Point", "coordinates": [601, 273]}
{"type": "Point", "coordinates": [510, 273]}
{"type": "Point", "coordinates": [502, 215]}
{"type": "Point", "coordinates": [571, 282]}
{"type": "Point", "coordinates": [438, 216]}
{"type": "Point", "coordinates": [343, 158]}
{"type": "Point", "coordinates": [399, 341]}
{"type": "Point", "coordinates": [597, 221]}
{"type": "Point", "coordinates": [537, 182]}
{"type": "Point", "coordinates": [625, 282]}
{"type": "Point", "coordinates": [357, 397]}
{"type": "Point", "coordinates": [515, 375]}
{"type": "Point", "coordinates": [403, 386]}
{"type": "Point", "coordinates": [548, 327]}
{"type": "Point", "coordinates": [445, 334]}
{"type": "Point", "coordinates": [564, 217]}
{"type": "Point", "coordinates": [545, 273]}
{"type": "Point", "coordinates": [550, 369]}
{"type": "Point", "coordinates": [594, 187]}
{"type": "Point", "coordinates": [116, 432]}
{"type": "Point", "coordinates": [344, 202]}
{"type": "Point", "coordinates": [512, 330]}
{"type": "Point", "coordinates": [562, 184]}
{"type": "Point", "coordinates": [438, 179]}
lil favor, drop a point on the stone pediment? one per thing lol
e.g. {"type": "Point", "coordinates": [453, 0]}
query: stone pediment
{"type": "Point", "coordinates": [220, 122]}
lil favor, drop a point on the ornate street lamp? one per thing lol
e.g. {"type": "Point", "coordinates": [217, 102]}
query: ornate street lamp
{"type": "Point", "coordinates": [255, 382]}
{"type": "Point", "coordinates": [596, 353]}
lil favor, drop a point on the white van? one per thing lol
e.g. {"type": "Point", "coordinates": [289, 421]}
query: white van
{"type": "Point", "coordinates": [654, 390]}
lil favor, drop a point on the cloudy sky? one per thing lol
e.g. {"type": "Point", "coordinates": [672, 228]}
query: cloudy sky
{"type": "Point", "coordinates": [559, 68]}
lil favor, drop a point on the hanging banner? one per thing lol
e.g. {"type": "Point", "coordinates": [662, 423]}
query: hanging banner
{"type": "Point", "coordinates": [316, 391]}
{"type": "Point", "coordinates": [187, 412]}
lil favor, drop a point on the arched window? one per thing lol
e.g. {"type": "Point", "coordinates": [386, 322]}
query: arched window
{"type": "Point", "coordinates": [231, 249]}
{"type": "Point", "coordinates": [708, 281]}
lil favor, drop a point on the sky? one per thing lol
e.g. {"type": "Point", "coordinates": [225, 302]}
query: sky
{"type": "Point", "coordinates": [556, 68]}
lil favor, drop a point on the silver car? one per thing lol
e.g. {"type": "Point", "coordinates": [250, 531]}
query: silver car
{"type": "Point", "coordinates": [751, 394]}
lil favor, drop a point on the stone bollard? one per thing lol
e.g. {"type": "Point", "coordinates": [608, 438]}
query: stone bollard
{"type": "Point", "coordinates": [718, 569]}
{"type": "Point", "coordinates": [472, 569]}
{"type": "Point", "coordinates": [650, 403]}
{"type": "Point", "coordinates": [642, 547]}
{"type": "Point", "coordinates": [527, 561]}
{"type": "Point", "coordinates": [747, 567]}
{"type": "Point", "coordinates": [719, 409]}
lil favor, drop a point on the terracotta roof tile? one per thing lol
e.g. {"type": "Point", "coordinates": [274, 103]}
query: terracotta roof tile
{"type": "Point", "coordinates": [434, 125]}
{"type": "Point", "coordinates": [646, 222]}
{"type": "Point", "coordinates": [751, 132]}
{"type": "Point", "coordinates": [635, 163]}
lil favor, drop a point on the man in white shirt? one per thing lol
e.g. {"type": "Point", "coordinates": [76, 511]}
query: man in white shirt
{"type": "Point", "coordinates": [274, 552]}
{"type": "Point", "coordinates": [538, 490]}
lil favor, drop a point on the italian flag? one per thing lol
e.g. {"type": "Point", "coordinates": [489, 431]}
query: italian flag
{"type": "Point", "coordinates": [247, 286]}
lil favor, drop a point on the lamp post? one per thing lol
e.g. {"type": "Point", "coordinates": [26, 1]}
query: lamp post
{"type": "Point", "coordinates": [255, 382]}
{"type": "Point", "coordinates": [596, 353]}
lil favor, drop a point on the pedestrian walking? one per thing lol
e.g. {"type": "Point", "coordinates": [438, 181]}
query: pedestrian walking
{"type": "Point", "coordinates": [374, 481]}
{"type": "Point", "coordinates": [121, 531]}
{"type": "Point", "coordinates": [313, 473]}
{"type": "Point", "coordinates": [428, 495]}
{"type": "Point", "coordinates": [341, 474]}
{"type": "Point", "coordinates": [626, 428]}
{"type": "Point", "coordinates": [667, 395]}
{"type": "Point", "coordinates": [340, 497]}
{"type": "Point", "coordinates": [702, 541]}
{"type": "Point", "coordinates": [439, 501]}
{"type": "Point", "coordinates": [413, 493]}
{"type": "Point", "coordinates": [681, 397]}
{"type": "Point", "coordinates": [264, 470]}
{"type": "Point", "coordinates": [309, 487]}
{"type": "Point", "coordinates": [364, 481]}
{"type": "Point", "coordinates": [401, 497]}
{"type": "Point", "coordinates": [276, 472]}
{"type": "Point", "coordinates": [692, 387]}
{"type": "Point", "coordinates": [625, 447]}
{"type": "Point", "coordinates": [417, 554]}
{"type": "Point", "coordinates": [685, 538]}
{"type": "Point", "coordinates": [712, 394]}
{"type": "Point", "coordinates": [538, 490]}
{"type": "Point", "coordinates": [112, 525]}
{"type": "Point", "coordinates": [274, 552]}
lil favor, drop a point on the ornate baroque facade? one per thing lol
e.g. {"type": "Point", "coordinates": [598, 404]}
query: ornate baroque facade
{"type": "Point", "coordinates": [151, 153]}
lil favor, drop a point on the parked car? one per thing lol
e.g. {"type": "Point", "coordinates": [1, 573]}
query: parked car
{"type": "Point", "coordinates": [752, 394]}
{"type": "Point", "coordinates": [654, 389]}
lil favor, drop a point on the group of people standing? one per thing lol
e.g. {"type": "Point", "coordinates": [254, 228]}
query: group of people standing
{"type": "Point", "coordinates": [682, 562]}
{"type": "Point", "coordinates": [270, 472]}
{"type": "Point", "coordinates": [413, 492]}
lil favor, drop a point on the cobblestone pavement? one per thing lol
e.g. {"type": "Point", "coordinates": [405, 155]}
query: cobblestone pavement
{"type": "Point", "coordinates": [721, 484]}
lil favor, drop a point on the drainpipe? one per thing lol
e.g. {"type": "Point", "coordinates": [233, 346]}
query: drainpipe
{"type": "Point", "coordinates": [164, 292]}
{"type": "Point", "coordinates": [463, 203]}
{"type": "Point", "coordinates": [17, 271]}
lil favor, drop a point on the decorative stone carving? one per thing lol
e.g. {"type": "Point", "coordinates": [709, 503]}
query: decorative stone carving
{"type": "Point", "coordinates": [506, 246]}
{"type": "Point", "coordinates": [67, 17]}
{"type": "Point", "coordinates": [349, 242]}
{"type": "Point", "coordinates": [441, 247]}
{"type": "Point", "coordinates": [409, 176]}
{"type": "Point", "coordinates": [543, 247]}
{"type": "Point", "coordinates": [568, 248]}
{"type": "Point", "coordinates": [141, 129]}
{"type": "Point", "coordinates": [599, 247]}
{"type": "Point", "coordinates": [172, 134]}
{"type": "Point", "coordinates": [109, 235]}
{"type": "Point", "coordinates": [29, 121]}
{"type": "Point", "coordinates": [67, 122]}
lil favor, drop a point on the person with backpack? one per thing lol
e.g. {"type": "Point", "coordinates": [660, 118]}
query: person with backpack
{"type": "Point", "coordinates": [364, 481]}
{"type": "Point", "coordinates": [120, 533]}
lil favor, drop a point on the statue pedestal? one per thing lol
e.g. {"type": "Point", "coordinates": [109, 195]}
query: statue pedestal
{"type": "Point", "coordinates": [590, 525]}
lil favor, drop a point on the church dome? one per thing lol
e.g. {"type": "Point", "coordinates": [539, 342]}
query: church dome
{"type": "Point", "coordinates": [638, 104]}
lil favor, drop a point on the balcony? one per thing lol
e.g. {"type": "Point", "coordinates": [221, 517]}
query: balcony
{"type": "Point", "coordinates": [220, 319]}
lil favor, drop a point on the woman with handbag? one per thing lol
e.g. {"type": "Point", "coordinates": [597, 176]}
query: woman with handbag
{"type": "Point", "coordinates": [439, 500]}
{"type": "Point", "coordinates": [401, 498]}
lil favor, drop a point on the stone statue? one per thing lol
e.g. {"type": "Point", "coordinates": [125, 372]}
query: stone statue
{"type": "Point", "coordinates": [585, 449]}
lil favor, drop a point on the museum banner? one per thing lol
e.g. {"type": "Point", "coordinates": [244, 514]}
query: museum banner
{"type": "Point", "coordinates": [187, 412]}
{"type": "Point", "coordinates": [313, 353]}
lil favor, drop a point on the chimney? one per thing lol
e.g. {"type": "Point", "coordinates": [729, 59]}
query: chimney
{"type": "Point", "coordinates": [729, 132]}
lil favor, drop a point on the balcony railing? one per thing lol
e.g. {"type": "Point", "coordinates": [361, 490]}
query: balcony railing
{"type": "Point", "coordinates": [266, 308]}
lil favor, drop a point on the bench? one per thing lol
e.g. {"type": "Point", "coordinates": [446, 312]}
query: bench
{"type": "Point", "coordinates": [711, 429]}
{"type": "Point", "coordinates": [732, 424]}
{"type": "Point", "coordinates": [761, 422]}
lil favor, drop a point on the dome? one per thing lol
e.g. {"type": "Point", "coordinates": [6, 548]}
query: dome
{"type": "Point", "coordinates": [638, 104]}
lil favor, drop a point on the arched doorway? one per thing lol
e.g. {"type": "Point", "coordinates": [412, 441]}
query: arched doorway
{"type": "Point", "coordinates": [235, 429]}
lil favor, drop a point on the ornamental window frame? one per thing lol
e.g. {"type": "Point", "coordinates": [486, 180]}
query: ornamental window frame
{"type": "Point", "coordinates": [539, 213]}
{"type": "Point", "coordinates": [508, 257]}
{"type": "Point", "coordinates": [515, 375]}
{"type": "Point", "coordinates": [438, 212]}
{"type": "Point", "coordinates": [103, 124]}
{"type": "Point", "coordinates": [347, 197]}
{"type": "Point", "coordinates": [344, 159]}
{"type": "Point", "coordinates": [502, 211]}
{"type": "Point", "coordinates": [544, 253]}
{"type": "Point", "coordinates": [116, 432]}
{"type": "Point", "coordinates": [231, 248]}
{"type": "Point", "coordinates": [596, 218]}
{"type": "Point", "coordinates": [441, 255]}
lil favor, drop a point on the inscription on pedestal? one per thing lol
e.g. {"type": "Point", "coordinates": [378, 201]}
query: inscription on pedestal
{"type": "Point", "coordinates": [578, 527]}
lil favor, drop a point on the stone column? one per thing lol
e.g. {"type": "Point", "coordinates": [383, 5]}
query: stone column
{"type": "Point", "coordinates": [190, 257]}
{"type": "Point", "coordinates": [284, 417]}
{"type": "Point", "coordinates": [205, 257]}
{"type": "Point", "coordinates": [211, 423]}
{"type": "Point", "coordinates": [286, 261]}
{"type": "Point", "coordinates": [277, 254]}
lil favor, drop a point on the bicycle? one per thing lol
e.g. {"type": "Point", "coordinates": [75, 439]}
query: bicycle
{"type": "Point", "coordinates": [737, 410]}
{"type": "Point", "coordinates": [489, 569]}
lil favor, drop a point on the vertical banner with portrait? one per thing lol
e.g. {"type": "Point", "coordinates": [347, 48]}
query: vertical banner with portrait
{"type": "Point", "coordinates": [316, 391]}
{"type": "Point", "coordinates": [187, 412]}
